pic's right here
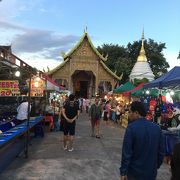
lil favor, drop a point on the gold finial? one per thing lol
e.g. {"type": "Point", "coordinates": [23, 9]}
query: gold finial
{"type": "Point", "coordinates": [142, 54]}
{"type": "Point", "coordinates": [143, 37]}
{"type": "Point", "coordinates": [85, 29]}
{"type": "Point", "coordinates": [143, 33]}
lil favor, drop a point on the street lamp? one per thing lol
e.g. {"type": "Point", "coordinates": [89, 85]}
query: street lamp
{"type": "Point", "coordinates": [17, 73]}
{"type": "Point", "coordinates": [148, 92]}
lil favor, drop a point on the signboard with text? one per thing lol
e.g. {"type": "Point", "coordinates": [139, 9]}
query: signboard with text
{"type": "Point", "coordinates": [9, 88]}
{"type": "Point", "coordinates": [37, 88]}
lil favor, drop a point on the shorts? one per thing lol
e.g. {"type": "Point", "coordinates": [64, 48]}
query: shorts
{"type": "Point", "coordinates": [69, 128]}
{"type": "Point", "coordinates": [95, 122]}
{"type": "Point", "coordinates": [105, 116]}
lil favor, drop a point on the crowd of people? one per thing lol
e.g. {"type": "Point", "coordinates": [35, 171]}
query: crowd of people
{"type": "Point", "coordinates": [143, 146]}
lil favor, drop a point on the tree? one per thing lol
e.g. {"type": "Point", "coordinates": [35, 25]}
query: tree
{"type": "Point", "coordinates": [117, 59]}
{"type": "Point", "coordinates": [113, 52]}
{"type": "Point", "coordinates": [124, 65]}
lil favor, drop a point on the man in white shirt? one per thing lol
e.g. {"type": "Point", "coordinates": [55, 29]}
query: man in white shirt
{"type": "Point", "coordinates": [22, 112]}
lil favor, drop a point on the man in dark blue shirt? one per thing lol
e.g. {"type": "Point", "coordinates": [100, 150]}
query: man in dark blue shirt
{"type": "Point", "coordinates": [143, 146]}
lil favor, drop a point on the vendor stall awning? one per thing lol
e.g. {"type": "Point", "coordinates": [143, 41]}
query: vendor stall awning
{"type": "Point", "coordinates": [152, 92]}
{"type": "Point", "coordinates": [172, 78]}
{"type": "Point", "coordinates": [51, 85]}
{"type": "Point", "coordinates": [126, 87]}
{"type": "Point", "coordinates": [127, 93]}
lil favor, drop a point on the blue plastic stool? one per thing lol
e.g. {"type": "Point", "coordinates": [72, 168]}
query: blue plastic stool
{"type": "Point", "coordinates": [38, 130]}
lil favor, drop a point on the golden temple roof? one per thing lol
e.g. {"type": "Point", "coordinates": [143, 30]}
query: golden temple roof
{"type": "Point", "coordinates": [58, 67]}
{"type": "Point", "coordinates": [101, 57]}
{"type": "Point", "coordinates": [142, 54]}
{"type": "Point", "coordinates": [85, 35]}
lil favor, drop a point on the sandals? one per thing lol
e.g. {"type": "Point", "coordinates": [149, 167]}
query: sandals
{"type": "Point", "coordinates": [65, 147]}
{"type": "Point", "coordinates": [70, 150]}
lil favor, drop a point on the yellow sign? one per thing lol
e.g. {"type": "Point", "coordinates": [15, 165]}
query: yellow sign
{"type": "Point", "coordinates": [9, 88]}
{"type": "Point", "coordinates": [37, 87]}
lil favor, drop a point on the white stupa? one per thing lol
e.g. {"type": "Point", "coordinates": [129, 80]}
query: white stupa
{"type": "Point", "coordinates": [142, 68]}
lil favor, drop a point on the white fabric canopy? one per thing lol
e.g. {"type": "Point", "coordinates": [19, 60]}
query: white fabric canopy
{"type": "Point", "coordinates": [51, 85]}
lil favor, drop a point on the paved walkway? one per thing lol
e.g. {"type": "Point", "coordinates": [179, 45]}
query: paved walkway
{"type": "Point", "coordinates": [92, 159]}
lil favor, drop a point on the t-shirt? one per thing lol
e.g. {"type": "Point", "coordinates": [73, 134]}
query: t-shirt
{"type": "Point", "coordinates": [22, 111]}
{"type": "Point", "coordinates": [71, 109]}
{"type": "Point", "coordinates": [95, 112]}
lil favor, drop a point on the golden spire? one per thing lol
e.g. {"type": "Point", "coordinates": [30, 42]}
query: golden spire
{"type": "Point", "coordinates": [142, 54]}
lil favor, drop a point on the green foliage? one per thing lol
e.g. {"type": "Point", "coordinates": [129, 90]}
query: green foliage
{"type": "Point", "coordinates": [138, 81]}
{"type": "Point", "coordinates": [117, 59]}
{"type": "Point", "coordinates": [122, 59]}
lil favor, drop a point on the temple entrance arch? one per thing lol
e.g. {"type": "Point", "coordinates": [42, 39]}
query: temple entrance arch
{"type": "Point", "coordinates": [104, 87]}
{"type": "Point", "coordinates": [83, 83]}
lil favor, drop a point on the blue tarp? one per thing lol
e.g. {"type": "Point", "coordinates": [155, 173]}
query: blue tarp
{"type": "Point", "coordinates": [173, 82]}
{"type": "Point", "coordinates": [171, 78]}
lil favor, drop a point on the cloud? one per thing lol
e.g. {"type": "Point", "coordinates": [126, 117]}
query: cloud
{"type": "Point", "coordinates": [11, 26]}
{"type": "Point", "coordinates": [10, 9]}
{"type": "Point", "coordinates": [26, 40]}
{"type": "Point", "coordinates": [34, 40]}
{"type": "Point", "coordinates": [39, 61]}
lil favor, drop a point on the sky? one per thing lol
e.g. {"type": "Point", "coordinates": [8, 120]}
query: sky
{"type": "Point", "coordinates": [40, 30]}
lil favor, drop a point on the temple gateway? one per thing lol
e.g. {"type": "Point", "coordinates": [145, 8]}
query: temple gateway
{"type": "Point", "coordinates": [83, 71]}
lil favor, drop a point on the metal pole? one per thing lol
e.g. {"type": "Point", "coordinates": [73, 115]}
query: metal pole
{"type": "Point", "coordinates": [29, 105]}
{"type": "Point", "coordinates": [46, 95]}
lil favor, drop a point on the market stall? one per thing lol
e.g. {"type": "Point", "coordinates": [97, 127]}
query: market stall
{"type": "Point", "coordinates": [17, 81]}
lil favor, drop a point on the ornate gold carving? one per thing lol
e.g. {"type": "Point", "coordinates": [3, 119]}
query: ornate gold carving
{"type": "Point", "coordinates": [103, 75]}
{"type": "Point", "coordinates": [84, 66]}
{"type": "Point", "coordinates": [85, 50]}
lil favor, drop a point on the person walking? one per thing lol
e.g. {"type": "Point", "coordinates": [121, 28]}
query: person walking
{"type": "Point", "coordinates": [95, 116]}
{"type": "Point", "coordinates": [70, 112]}
{"type": "Point", "coordinates": [107, 108]}
{"type": "Point", "coordinates": [118, 113]}
{"type": "Point", "coordinates": [143, 146]}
